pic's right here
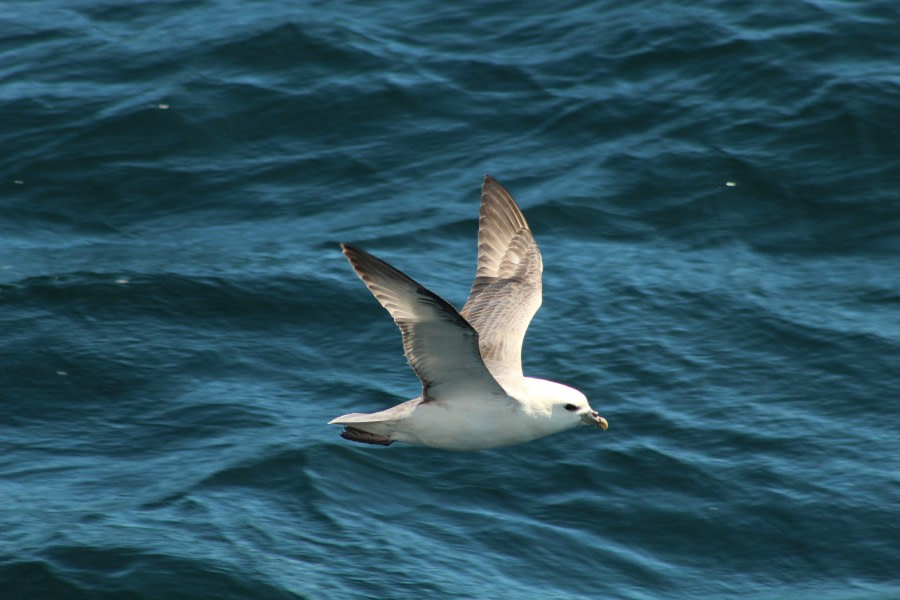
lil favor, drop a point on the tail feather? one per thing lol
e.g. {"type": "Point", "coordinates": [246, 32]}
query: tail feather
{"type": "Point", "coordinates": [352, 418]}
{"type": "Point", "coordinates": [358, 435]}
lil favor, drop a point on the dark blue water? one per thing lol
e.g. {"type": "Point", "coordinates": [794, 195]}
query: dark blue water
{"type": "Point", "coordinates": [716, 190]}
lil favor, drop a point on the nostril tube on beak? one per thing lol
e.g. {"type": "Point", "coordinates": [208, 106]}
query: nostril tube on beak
{"type": "Point", "coordinates": [594, 418]}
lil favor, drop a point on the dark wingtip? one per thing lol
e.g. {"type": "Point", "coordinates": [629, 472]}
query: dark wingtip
{"type": "Point", "coordinates": [352, 252]}
{"type": "Point", "coordinates": [355, 256]}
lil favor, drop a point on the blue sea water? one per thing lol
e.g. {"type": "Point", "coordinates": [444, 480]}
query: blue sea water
{"type": "Point", "coordinates": [715, 187]}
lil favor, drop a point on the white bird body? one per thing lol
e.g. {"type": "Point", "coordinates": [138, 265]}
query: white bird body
{"type": "Point", "coordinates": [473, 422]}
{"type": "Point", "coordinates": [474, 394]}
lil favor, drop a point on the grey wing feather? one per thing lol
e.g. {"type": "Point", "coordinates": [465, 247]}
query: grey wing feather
{"type": "Point", "coordinates": [506, 292]}
{"type": "Point", "coordinates": [441, 347]}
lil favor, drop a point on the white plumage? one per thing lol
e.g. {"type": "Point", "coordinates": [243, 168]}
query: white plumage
{"type": "Point", "coordinates": [474, 395]}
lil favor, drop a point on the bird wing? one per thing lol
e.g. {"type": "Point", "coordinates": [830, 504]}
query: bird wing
{"type": "Point", "coordinates": [441, 347]}
{"type": "Point", "coordinates": [507, 288]}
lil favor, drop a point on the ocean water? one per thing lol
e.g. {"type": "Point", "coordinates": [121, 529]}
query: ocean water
{"type": "Point", "coordinates": [715, 187]}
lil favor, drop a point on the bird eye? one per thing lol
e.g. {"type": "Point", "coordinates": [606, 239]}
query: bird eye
{"type": "Point", "coordinates": [571, 407]}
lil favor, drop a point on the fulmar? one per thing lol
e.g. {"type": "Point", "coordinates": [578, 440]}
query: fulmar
{"type": "Point", "coordinates": [474, 394]}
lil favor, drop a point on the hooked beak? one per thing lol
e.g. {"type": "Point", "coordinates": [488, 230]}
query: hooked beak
{"type": "Point", "coordinates": [594, 418]}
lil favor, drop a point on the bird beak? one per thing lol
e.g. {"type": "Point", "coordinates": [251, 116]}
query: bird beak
{"type": "Point", "coordinates": [594, 418]}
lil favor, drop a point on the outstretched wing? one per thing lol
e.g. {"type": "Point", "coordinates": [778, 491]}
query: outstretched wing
{"type": "Point", "coordinates": [441, 347]}
{"type": "Point", "coordinates": [507, 288]}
